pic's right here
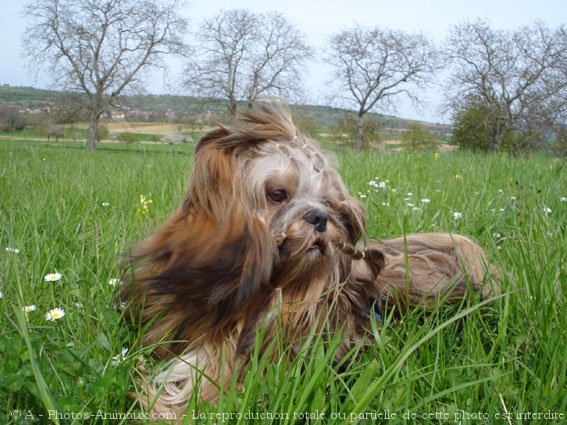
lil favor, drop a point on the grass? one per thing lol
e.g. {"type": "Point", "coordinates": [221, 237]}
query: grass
{"type": "Point", "coordinates": [76, 213]}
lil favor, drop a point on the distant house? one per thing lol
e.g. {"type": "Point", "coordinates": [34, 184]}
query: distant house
{"type": "Point", "coordinates": [118, 115]}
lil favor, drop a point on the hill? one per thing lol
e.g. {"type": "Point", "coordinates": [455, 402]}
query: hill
{"type": "Point", "coordinates": [162, 105]}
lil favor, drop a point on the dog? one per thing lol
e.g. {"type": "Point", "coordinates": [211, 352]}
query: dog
{"type": "Point", "coordinates": [267, 225]}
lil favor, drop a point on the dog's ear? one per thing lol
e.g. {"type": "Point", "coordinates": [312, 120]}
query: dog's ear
{"type": "Point", "coordinates": [193, 274]}
{"type": "Point", "coordinates": [352, 213]}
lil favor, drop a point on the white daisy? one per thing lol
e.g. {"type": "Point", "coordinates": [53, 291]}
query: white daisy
{"type": "Point", "coordinates": [119, 358]}
{"type": "Point", "coordinates": [55, 314]}
{"type": "Point", "coordinates": [426, 201]}
{"type": "Point", "coordinates": [547, 210]}
{"type": "Point", "coordinates": [52, 277]}
{"type": "Point", "coordinates": [30, 308]}
{"type": "Point", "coordinates": [115, 281]}
{"type": "Point", "coordinates": [12, 250]}
{"type": "Point", "coordinates": [457, 215]}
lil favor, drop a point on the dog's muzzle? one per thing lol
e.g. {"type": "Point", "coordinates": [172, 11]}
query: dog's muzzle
{"type": "Point", "coordinates": [318, 219]}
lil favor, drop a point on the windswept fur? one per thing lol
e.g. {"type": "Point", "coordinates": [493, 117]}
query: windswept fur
{"type": "Point", "coordinates": [267, 225]}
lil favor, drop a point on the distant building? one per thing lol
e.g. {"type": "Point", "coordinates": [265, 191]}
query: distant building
{"type": "Point", "coordinates": [118, 115]}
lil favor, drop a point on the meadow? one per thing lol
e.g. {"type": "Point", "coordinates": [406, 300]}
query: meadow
{"type": "Point", "coordinates": [68, 219]}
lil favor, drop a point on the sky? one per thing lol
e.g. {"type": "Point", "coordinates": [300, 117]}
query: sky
{"type": "Point", "coordinates": [317, 19]}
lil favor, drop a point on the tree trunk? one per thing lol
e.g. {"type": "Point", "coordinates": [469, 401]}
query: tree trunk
{"type": "Point", "coordinates": [93, 125]}
{"type": "Point", "coordinates": [359, 132]}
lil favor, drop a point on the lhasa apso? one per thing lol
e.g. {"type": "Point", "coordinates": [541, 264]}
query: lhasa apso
{"type": "Point", "coordinates": [268, 226]}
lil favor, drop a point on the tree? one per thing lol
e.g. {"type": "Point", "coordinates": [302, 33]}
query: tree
{"type": "Point", "coordinates": [417, 138]}
{"type": "Point", "coordinates": [345, 129]}
{"type": "Point", "coordinates": [373, 66]}
{"type": "Point", "coordinates": [11, 119]}
{"type": "Point", "coordinates": [100, 47]}
{"type": "Point", "coordinates": [517, 78]}
{"type": "Point", "coordinates": [245, 55]}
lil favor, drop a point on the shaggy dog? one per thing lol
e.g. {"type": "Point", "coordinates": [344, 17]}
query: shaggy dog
{"type": "Point", "coordinates": [269, 236]}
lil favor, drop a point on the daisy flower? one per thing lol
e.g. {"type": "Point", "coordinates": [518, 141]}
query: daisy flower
{"type": "Point", "coordinates": [426, 201]}
{"type": "Point", "coordinates": [54, 314]}
{"type": "Point", "coordinates": [105, 204]}
{"type": "Point", "coordinates": [52, 277]}
{"type": "Point", "coordinates": [115, 281]}
{"type": "Point", "coordinates": [547, 210]}
{"type": "Point", "coordinates": [119, 358]}
{"type": "Point", "coordinates": [457, 215]}
{"type": "Point", "coordinates": [30, 308]}
{"type": "Point", "coordinates": [12, 250]}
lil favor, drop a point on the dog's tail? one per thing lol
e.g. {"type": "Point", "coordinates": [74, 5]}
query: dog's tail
{"type": "Point", "coordinates": [423, 270]}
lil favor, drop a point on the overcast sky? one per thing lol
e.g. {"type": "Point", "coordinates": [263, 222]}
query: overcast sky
{"type": "Point", "coordinates": [317, 19]}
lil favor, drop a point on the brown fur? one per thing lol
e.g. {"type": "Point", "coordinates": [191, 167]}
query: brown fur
{"type": "Point", "coordinates": [232, 259]}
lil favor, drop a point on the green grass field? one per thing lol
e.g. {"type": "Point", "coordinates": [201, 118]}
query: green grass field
{"type": "Point", "coordinates": [67, 211]}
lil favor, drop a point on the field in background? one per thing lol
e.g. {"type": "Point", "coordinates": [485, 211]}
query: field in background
{"type": "Point", "coordinates": [77, 213]}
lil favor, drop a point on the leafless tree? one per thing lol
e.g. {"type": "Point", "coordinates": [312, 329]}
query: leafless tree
{"type": "Point", "coordinates": [373, 66]}
{"type": "Point", "coordinates": [520, 75]}
{"type": "Point", "coordinates": [245, 55]}
{"type": "Point", "coordinates": [99, 47]}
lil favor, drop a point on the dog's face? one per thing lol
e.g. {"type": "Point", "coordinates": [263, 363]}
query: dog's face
{"type": "Point", "coordinates": [264, 212]}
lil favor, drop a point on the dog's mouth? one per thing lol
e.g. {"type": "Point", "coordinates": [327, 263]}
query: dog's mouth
{"type": "Point", "coordinates": [318, 245]}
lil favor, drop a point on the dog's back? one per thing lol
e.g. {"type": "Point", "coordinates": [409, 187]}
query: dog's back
{"type": "Point", "coordinates": [422, 270]}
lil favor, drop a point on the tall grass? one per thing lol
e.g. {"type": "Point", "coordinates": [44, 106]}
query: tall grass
{"type": "Point", "coordinates": [77, 213]}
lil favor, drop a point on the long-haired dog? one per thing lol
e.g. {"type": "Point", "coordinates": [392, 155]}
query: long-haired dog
{"type": "Point", "coordinates": [268, 225]}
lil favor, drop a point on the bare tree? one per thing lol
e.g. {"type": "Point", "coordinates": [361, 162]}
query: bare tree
{"type": "Point", "coordinates": [373, 66]}
{"type": "Point", "coordinates": [99, 47]}
{"type": "Point", "coordinates": [519, 76]}
{"type": "Point", "coordinates": [245, 55]}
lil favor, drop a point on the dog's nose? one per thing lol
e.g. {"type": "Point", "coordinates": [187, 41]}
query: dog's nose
{"type": "Point", "coordinates": [318, 219]}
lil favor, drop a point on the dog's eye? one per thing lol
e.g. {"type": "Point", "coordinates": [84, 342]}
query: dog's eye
{"type": "Point", "coordinates": [277, 196]}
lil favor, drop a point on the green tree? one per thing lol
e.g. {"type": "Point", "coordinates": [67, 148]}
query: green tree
{"type": "Point", "coordinates": [417, 138]}
{"type": "Point", "coordinates": [346, 129]}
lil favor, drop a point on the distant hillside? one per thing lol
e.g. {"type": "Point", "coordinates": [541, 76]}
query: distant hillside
{"type": "Point", "coordinates": [323, 116]}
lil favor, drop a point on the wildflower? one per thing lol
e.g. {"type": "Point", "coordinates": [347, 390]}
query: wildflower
{"type": "Point", "coordinates": [54, 314]}
{"type": "Point", "coordinates": [385, 204]}
{"type": "Point", "coordinates": [410, 204]}
{"type": "Point", "coordinates": [416, 209]}
{"type": "Point", "coordinates": [105, 204]}
{"type": "Point", "coordinates": [382, 185]}
{"type": "Point", "coordinates": [12, 250]}
{"type": "Point", "coordinates": [145, 204]}
{"type": "Point", "coordinates": [30, 308]}
{"type": "Point", "coordinates": [79, 305]}
{"type": "Point", "coordinates": [52, 277]}
{"type": "Point", "coordinates": [119, 306]}
{"type": "Point", "coordinates": [547, 210]}
{"type": "Point", "coordinates": [436, 155]}
{"type": "Point", "coordinates": [457, 215]}
{"type": "Point", "coordinates": [458, 177]}
{"type": "Point", "coordinates": [425, 200]}
{"type": "Point", "coordinates": [500, 191]}
{"type": "Point", "coordinates": [115, 281]}
{"type": "Point", "coordinates": [362, 196]}
{"type": "Point", "coordinates": [119, 358]}
{"type": "Point", "coordinates": [409, 194]}
{"type": "Point", "coordinates": [563, 199]}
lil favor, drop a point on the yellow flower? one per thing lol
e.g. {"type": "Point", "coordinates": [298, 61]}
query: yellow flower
{"type": "Point", "coordinates": [458, 177]}
{"type": "Point", "coordinates": [436, 155]}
